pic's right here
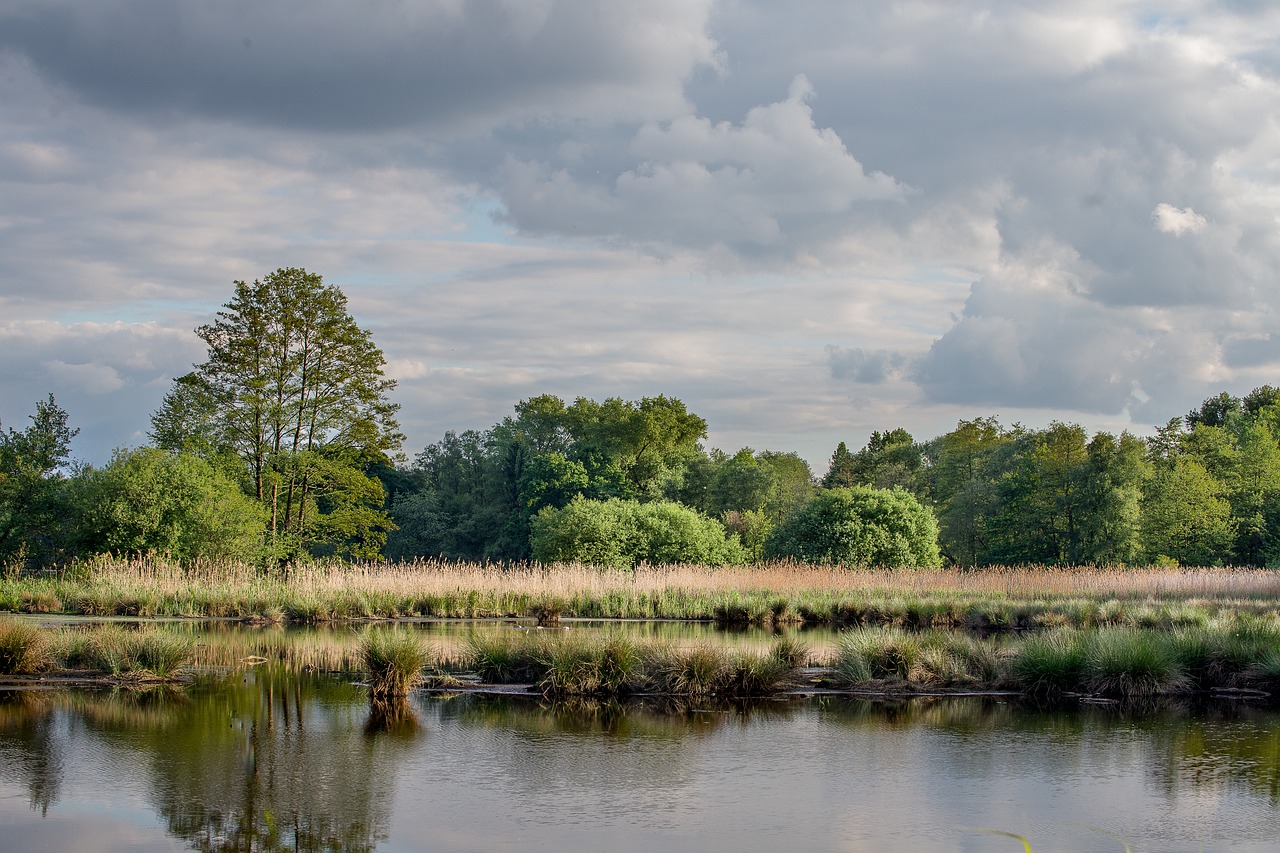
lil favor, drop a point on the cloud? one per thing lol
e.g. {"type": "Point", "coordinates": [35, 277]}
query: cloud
{"type": "Point", "coordinates": [89, 377]}
{"type": "Point", "coordinates": [775, 184]}
{"type": "Point", "coordinates": [1067, 209]}
{"type": "Point", "coordinates": [109, 377]}
{"type": "Point", "coordinates": [866, 368]}
{"type": "Point", "coordinates": [330, 65]}
{"type": "Point", "coordinates": [1177, 221]}
{"type": "Point", "coordinates": [1030, 337]}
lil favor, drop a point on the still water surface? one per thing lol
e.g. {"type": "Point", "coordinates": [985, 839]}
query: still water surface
{"type": "Point", "coordinates": [270, 758]}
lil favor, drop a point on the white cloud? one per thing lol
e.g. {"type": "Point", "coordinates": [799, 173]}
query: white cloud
{"type": "Point", "coordinates": [954, 206]}
{"type": "Point", "coordinates": [1178, 221]}
{"type": "Point", "coordinates": [89, 377]}
{"type": "Point", "coordinates": [774, 185]}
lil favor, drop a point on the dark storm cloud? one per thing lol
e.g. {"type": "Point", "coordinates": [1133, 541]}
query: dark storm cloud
{"type": "Point", "coordinates": [360, 66]}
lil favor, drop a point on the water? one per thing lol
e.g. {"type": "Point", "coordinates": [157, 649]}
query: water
{"type": "Point", "coordinates": [272, 758]}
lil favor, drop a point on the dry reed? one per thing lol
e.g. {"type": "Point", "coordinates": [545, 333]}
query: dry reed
{"type": "Point", "coordinates": [773, 592]}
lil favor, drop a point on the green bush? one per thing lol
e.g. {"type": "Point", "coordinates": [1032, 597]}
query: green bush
{"type": "Point", "coordinates": [622, 533]}
{"type": "Point", "coordinates": [155, 501]}
{"type": "Point", "coordinates": [860, 526]}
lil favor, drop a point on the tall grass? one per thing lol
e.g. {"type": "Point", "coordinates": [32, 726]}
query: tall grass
{"type": "Point", "coordinates": [394, 661]}
{"type": "Point", "coordinates": [23, 648]}
{"type": "Point", "coordinates": [118, 651]}
{"type": "Point", "coordinates": [765, 594]}
{"type": "Point", "coordinates": [1126, 663]}
{"type": "Point", "coordinates": [575, 664]}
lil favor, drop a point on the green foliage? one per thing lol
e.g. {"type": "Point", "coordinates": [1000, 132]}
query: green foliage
{"type": "Point", "coordinates": [1184, 516]}
{"type": "Point", "coordinates": [32, 502]}
{"type": "Point", "coordinates": [890, 459]}
{"type": "Point", "coordinates": [479, 491]}
{"type": "Point", "coordinates": [622, 533]}
{"type": "Point", "coordinates": [753, 529]}
{"type": "Point", "coordinates": [1041, 498]}
{"type": "Point", "coordinates": [148, 500]}
{"type": "Point", "coordinates": [962, 481]}
{"type": "Point", "coordinates": [1110, 529]}
{"type": "Point", "coordinates": [294, 389]}
{"type": "Point", "coordinates": [860, 526]}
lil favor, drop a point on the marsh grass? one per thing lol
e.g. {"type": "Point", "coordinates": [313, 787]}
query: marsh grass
{"type": "Point", "coordinates": [1133, 663]}
{"type": "Point", "coordinates": [763, 594]}
{"type": "Point", "coordinates": [23, 648]}
{"type": "Point", "coordinates": [1126, 663]}
{"type": "Point", "coordinates": [933, 659]}
{"type": "Point", "coordinates": [120, 652]}
{"type": "Point", "coordinates": [697, 671]}
{"type": "Point", "coordinates": [563, 664]}
{"type": "Point", "coordinates": [1052, 662]}
{"type": "Point", "coordinates": [394, 661]}
{"type": "Point", "coordinates": [577, 665]}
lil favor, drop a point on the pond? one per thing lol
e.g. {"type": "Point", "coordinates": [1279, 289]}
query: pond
{"type": "Point", "coordinates": [281, 756]}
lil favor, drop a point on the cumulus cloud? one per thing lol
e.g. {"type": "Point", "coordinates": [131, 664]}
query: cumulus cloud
{"type": "Point", "coordinates": [1177, 221]}
{"type": "Point", "coordinates": [89, 378]}
{"type": "Point", "coordinates": [773, 184]}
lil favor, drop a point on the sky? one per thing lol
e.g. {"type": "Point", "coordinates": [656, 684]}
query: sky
{"type": "Point", "coordinates": [807, 220]}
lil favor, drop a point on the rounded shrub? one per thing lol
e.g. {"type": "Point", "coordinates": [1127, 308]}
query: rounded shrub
{"type": "Point", "coordinates": [860, 526]}
{"type": "Point", "coordinates": [622, 533]}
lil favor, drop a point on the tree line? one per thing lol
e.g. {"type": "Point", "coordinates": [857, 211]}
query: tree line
{"type": "Point", "coordinates": [283, 445]}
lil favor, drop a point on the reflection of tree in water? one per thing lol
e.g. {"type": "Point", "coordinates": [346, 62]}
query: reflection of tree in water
{"type": "Point", "coordinates": [31, 752]}
{"type": "Point", "coordinates": [1182, 744]}
{"type": "Point", "coordinates": [269, 763]}
{"type": "Point", "coordinates": [1230, 745]}
{"type": "Point", "coordinates": [264, 761]}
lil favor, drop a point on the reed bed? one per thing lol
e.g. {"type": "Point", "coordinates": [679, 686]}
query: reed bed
{"type": "Point", "coordinates": [611, 665]}
{"type": "Point", "coordinates": [765, 594]}
{"type": "Point", "coordinates": [148, 653]}
{"type": "Point", "coordinates": [1233, 653]}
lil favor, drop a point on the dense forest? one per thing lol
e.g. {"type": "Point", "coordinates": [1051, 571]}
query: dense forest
{"type": "Point", "coordinates": [283, 445]}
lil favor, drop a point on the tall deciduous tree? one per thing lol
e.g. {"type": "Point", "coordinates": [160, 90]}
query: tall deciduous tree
{"type": "Point", "coordinates": [1184, 517]}
{"type": "Point", "coordinates": [962, 479]}
{"type": "Point", "coordinates": [295, 389]}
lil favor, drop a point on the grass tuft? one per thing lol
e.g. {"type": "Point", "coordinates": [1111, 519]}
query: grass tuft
{"type": "Point", "coordinates": [1131, 663]}
{"type": "Point", "coordinates": [23, 648]}
{"type": "Point", "coordinates": [394, 661]}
